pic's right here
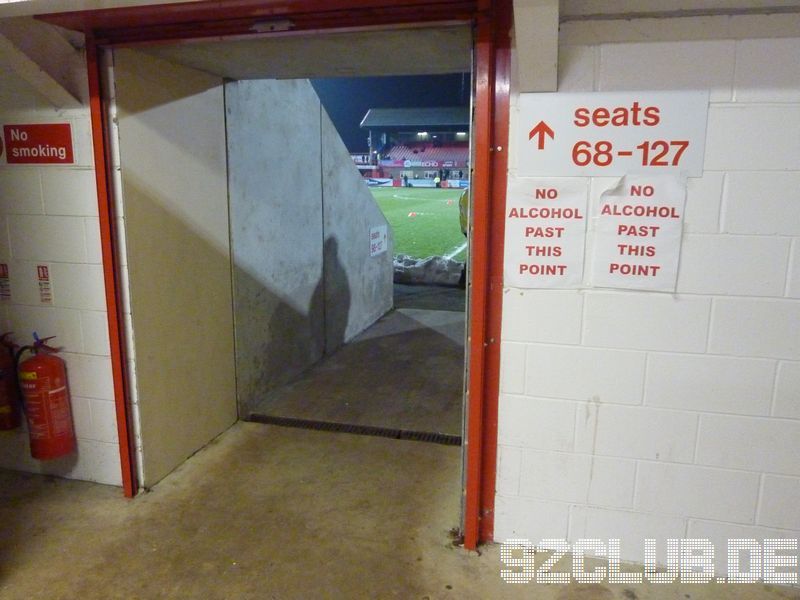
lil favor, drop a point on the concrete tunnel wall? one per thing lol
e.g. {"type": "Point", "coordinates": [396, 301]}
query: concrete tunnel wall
{"type": "Point", "coordinates": [362, 292]}
{"type": "Point", "coordinates": [304, 280]}
{"type": "Point", "coordinates": [174, 214]}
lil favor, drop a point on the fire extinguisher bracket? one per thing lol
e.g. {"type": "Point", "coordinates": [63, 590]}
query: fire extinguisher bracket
{"type": "Point", "coordinates": [9, 389]}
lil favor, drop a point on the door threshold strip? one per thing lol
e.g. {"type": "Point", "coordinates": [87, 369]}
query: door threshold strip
{"type": "Point", "coordinates": [397, 434]}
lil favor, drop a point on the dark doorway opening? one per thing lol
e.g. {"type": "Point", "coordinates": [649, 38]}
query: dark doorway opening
{"type": "Point", "coordinates": [403, 375]}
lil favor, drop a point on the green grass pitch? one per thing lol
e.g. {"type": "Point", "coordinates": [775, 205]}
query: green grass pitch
{"type": "Point", "coordinates": [433, 230]}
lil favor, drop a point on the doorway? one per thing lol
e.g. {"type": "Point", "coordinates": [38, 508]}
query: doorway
{"type": "Point", "coordinates": [249, 257]}
{"type": "Point", "coordinates": [382, 365]}
{"type": "Point", "coordinates": [126, 26]}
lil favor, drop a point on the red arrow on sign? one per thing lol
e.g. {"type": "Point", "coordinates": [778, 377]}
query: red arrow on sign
{"type": "Point", "coordinates": [542, 130]}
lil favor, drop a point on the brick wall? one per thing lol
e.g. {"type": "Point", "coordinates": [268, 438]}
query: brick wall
{"type": "Point", "coordinates": [48, 215]}
{"type": "Point", "coordinates": [632, 414]}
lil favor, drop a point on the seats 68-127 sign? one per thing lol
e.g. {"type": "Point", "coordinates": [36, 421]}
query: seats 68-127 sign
{"type": "Point", "coordinates": [615, 133]}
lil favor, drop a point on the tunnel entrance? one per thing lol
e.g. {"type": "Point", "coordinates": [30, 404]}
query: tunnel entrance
{"type": "Point", "coordinates": [381, 366]}
{"type": "Point", "coordinates": [255, 287]}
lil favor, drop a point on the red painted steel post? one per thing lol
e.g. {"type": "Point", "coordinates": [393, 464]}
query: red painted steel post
{"type": "Point", "coordinates": [102, 163]}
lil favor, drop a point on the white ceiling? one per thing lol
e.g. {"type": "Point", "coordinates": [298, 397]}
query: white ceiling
{"type": "Point", "coordinates": [425, 51]}
{"type": "Point", "coordinates": [575, 9]}
{"type": "Point", "coordinates": [402, 52]}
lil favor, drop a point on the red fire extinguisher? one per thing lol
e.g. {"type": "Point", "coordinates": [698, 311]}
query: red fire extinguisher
{"type": "Point", "coordinates": [9, 392]}
{"type": "Point", "coordinates": [43, 381]}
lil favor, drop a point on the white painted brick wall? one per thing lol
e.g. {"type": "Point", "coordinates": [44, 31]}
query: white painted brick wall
{"type": "Point", "coordinates": [687, 490]}
{"type": "Point", "coordinates": [47, 239]}
{"type": "Point", "coordinates": [755, 327]}
{"type": "Point", "coordinates": [787, 391]}
{"type": "Point", "coordinates": [646, 321]}
{"type": "Point", "coordinates": [703, 202]}
{"type": "Point", "coordinates": [22, 191]}
{"type": "Point", "coordinates": [749, 443]}
{"type": "Point", "coordinates": [518, 517]}
{"type": "Point", "coordinates": [540, 306]}
{"type": "Point", "coordinates": [710, 383]}
{"type": "Point", "coordinates": [636, 432]}
{"type": "Point", "coordinates": [48, 214]}
{"type": "Point", "coordinates": [755, 137]}
{"type": "Point", "coordinates": [537, 423]}
{"type": "Point", "coordinates": [655, 415]}
{"type": "Point", "coordinates": [779, 505]}
{"type": "Point", "coordinates": [736, 265]}
{"type": "Point", "coordinates": [762, 203]}
{"type": "Point", "coordinates": [668, 66]}
{"type": "Point", "coordinates": [576, 65]}
{"type": "Point", "coordinates": [767, 70]}
{"type": "Point", "coordinates": [576, 373]}
{"type": "Point", "coordinates": [580, 478]}
{"type": "Point", "coordinates": [509, 460]}
{"type": "Point", "coordinates": [630, 527]}
{"type": "Point", "coordinates": [718, 533]}
{"type": "Point", "coordinates": [793, 284]}
{"type": "Point", "coordinates": [69, 192]}
{"type": "Point", "coordinates": [512, 377]}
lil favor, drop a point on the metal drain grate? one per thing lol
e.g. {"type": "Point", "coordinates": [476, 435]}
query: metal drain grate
{"type": "Point", "coordinates": [397, 434]}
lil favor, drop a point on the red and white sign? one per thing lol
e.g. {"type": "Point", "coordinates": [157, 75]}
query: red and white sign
{"type": "Point", "coordinates": [42, 143]}
{"type": "Point", "coordinates": [378, 240]}
{"type": "Point", "coordinates": [545, 232]}
{"type": "Point", "coordinates": [638, 232]}
{"type": "Point", "coordinates": [611, 133]}
{"type": "Point", "coordinates": [5, 283]}
{"type": "Point", "coordinates": [45, 289]}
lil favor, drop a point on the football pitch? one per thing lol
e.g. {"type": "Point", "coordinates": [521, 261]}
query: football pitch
{"type": "Point", "coordinates": [424, 220]}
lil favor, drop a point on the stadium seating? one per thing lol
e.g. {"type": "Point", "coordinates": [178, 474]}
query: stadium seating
{"type": "Point", "coordinates": [427, 151]}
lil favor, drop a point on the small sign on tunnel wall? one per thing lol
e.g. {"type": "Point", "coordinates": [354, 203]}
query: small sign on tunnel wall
{"type": "Point", "coordinates": [5, 283]}
{"type": "Point", "coordinates": [45, 286]}
{"type": "Point", "coordinates": [378, 240]}
{"type": "Point", "coordinates": [39, 143]}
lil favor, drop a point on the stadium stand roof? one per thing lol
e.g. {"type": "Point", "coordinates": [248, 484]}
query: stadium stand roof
{"type": "Point", "coordinates": [449, 116]}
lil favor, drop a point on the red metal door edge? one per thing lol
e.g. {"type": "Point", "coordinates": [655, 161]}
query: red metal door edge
{"type": "Point", "coordinates": [499, 174]}
{"type": "Point", "coordinates": [102, 163]}
{"type": "Point", "coordinates": [492, 51]}
{"type": "Point", "coordinates": [492, 48]}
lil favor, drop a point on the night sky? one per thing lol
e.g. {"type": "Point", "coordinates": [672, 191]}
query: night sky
{"type": "Point", "coordinates": [347, 100]}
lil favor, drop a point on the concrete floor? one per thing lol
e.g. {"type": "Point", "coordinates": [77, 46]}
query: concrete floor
{"type": "Point", "coordinates": [268, 512]}
{"type": "Point", "coordinates": [429, 297]}
{"type": "Point", "coordinates": [404, 372]}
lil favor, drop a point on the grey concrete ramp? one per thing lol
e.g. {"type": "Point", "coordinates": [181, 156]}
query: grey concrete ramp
{"type": "Point", "coordinates": [305, 281]}
{"type": "Point", "coordinates": [275, 189]}
{"type": "Point", "coordinates": [403, 373]}
{"type": "Point", "coordinates": [358, 286]}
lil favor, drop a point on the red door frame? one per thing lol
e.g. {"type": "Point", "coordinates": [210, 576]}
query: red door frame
{"type": "Point", "coordinates": [111, 271]}
{"type": "Point", "coordinates": [195, 20]}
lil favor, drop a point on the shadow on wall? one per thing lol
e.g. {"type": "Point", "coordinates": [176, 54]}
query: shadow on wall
{"type": "Point", "coordinates": [301, 217]}
{"type": "Point", "coordinates": [296, 340]}
{"type": "Point", "coordinates": [337, 297]}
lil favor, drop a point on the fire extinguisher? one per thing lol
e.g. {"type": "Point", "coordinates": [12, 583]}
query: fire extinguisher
{"type": "Point", "coordinates": [43, 382]}
{"type": "Point", "coordinates": [9, 392]}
